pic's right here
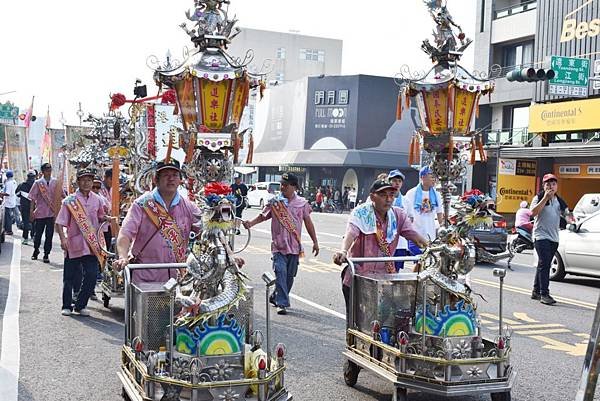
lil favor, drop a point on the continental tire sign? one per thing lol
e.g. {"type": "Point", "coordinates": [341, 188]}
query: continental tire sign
{"type": "Point", "coordinates": [516, 183]}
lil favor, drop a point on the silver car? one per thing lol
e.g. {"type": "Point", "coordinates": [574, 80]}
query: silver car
{"type": "Point", "coordinates": [578, 251]}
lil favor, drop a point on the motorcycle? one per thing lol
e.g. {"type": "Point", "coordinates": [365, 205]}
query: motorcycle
{"type": "Point", "coordinates": [521, 241]}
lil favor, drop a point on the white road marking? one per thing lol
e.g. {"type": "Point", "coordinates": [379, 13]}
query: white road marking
{"type": "Point", "coordinates": [317, 306]}
{"type": "Point", "coordinates": [11, 354]}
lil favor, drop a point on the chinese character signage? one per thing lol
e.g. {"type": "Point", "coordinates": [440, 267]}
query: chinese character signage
{"type": "Point", "coordinates": [187, 101]}
{"type": "Point", "coordinates": [463, 110]}
{"type": "Point", "coordinates": [436, 104]}
{"type": "Point", "coordinates": [331, 108]}
{"type": "Point", "coordinates": [571, 76]}
{"type": "Point", "coordinates": [516, 183]}
{"type": "Point", "coordinates": [214, 103]}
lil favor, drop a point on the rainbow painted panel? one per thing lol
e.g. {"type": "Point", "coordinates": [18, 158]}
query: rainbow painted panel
{"type": "Point", "coordinates": [455, 322]}
{"type": "Point", "coordinates": [224, 338]}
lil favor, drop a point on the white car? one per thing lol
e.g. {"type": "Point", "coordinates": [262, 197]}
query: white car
{"type": "Point", "coordinates": [261, 192]}
{"type": "Point", "coordinates": [587, 205]}
{"type": "Point", "coordinates": [578, 251]}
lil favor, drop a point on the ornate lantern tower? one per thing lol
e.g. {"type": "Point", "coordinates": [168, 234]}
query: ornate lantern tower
{"type": "Point", "coordinates": [212, 91]}
{"type": "Point", "coordinates": [447, 98]}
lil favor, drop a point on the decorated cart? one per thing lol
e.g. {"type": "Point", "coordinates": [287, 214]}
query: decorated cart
{"type": "Point", "coordinates": [421, 330]}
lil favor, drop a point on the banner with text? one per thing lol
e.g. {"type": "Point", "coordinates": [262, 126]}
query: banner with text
{"type": "Point", "coordinates": [516, 183]}
{"type": "Point", "coordinates": [16, 146]}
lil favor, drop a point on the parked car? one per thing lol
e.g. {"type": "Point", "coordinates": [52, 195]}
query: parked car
{"type": "Point", "coordinates": [578, 251]}
{"type": "Point", "coordinates": [261, 192]}
{"type": "Point", "coordinates": [493, 238]}
{"type": "Point", "coordinates": [587, 205]}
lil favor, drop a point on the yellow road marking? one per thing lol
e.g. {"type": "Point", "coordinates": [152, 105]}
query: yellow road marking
{"type": "Point", "coordinates": [483, 321]}
{"type": "Point", "coordinates": [578, 349]}
{"type": "Point", "coordinates": [505, 320]}
{"type": "Point", "coordinates": [585, 336]}
{"type": "Point", "coordinates": [523, 316]}
{"type": "Point", "coordinates": [536, 332]}
{"type": "Point", "coordinates": [538, 326]}
{"type": "Point", "coordinates": [519, 290]}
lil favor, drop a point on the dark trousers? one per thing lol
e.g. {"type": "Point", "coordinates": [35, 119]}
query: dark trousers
{"type": "Point", "coordinates": [9, 215]}
{"type": "Point", "coordinates": [400, 264]}
{"type": "Point", "coordinates": [285, 267]}
{"type": "Point", "coordinates": [545, 250]}
{"type": "Point", "coordinates": [43, 226]}
{"type": "Point", "coordinates": [79, 274]}
{"type": "Point", "coordinates": [26, 223]}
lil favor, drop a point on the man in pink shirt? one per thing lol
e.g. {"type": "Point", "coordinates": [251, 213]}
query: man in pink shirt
{"type": "Point", "coordinates": [523, 217]}
{"type": "Point", "coordinates": [373, 231]}
{"type": "Point", "coordinates": [287, 211]}
{"type": "Point", "coordinates": [145, 238]}
{"type": "Point", "coordinates": [81, 213]}
{"type": "Point", "coordinates": [42, 204]}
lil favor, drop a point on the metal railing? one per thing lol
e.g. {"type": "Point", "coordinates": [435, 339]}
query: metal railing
{"type": "Point", "coordinates": [509, 136]}
{"type": "Point", "coordinates": [515, 9]}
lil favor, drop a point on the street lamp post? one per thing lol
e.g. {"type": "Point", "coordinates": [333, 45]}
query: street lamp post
{"type": "Point", "coordinates": [79, 113]}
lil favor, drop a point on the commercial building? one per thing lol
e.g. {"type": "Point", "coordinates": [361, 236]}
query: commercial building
{"type": "Point", "coordinates": [339, 131]}
{"type": "Point", "coordinates": [547, 126]}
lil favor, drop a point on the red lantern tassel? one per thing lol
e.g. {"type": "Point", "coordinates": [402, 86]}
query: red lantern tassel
{"type": "Point", "coordinates": [473, 146]}
{"type": "Point", "coordinates": [451, 98]}
{"type": "Point", "coordinates": [417, 150]}
{"type": "Point", "coordinates": [450, 147]}
{"type": "Point", "coordinates": [477, 107]}
{"type": "Point", "coordinates": [250, 154]}
{"type": "Point", "coordinates": [169, 149]}
{"type": "Point", "coordinates": [399, 107]}
{"type": "Point", "coordinates": [411, 151]}
{"type": "Point", "coordinates": [407, 99]}
{"type": "Point", "coordinates": [482, 155]}
{"type": "Point", "coordinates": [236, 148]}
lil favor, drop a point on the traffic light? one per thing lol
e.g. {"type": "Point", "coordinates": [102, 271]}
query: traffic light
{"type": "Point", "coordinates": [530, 75]}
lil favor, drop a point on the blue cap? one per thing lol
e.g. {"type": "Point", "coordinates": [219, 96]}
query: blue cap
{"type": "Point", "coordinates": [9, 174]}
{"type": "Point", "coordinates": [424, 171]}
{"type": "Point", "coordinates": [396, 174]}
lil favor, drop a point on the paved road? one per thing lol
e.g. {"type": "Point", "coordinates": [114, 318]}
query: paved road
{"type": "Point", "coordinates": [75, 358]}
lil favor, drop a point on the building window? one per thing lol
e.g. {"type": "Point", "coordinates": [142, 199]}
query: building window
{"type": "Point", "coordinates": [519, 54]}
{"type": "Point", "coordinates": [281, 53]}
{"type": "Point", "coordinates": [312, 55]}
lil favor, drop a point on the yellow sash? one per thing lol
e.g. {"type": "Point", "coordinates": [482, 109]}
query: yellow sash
{"type": "Point", "coordinates": [167, 227]}
{"type": "Point", "coordinates": [46, 197]}
{"type": "Point", "coordinates": [95, 243]}
{"type": "Point", "coordinates": [282, 214]}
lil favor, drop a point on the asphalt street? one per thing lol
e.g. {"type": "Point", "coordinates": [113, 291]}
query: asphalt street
{"type": "Point", "coordinates": [76, 358]}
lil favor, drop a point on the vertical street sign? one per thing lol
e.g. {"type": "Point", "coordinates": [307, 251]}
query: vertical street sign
{"type": "Point", "coordinates": [571, 76]}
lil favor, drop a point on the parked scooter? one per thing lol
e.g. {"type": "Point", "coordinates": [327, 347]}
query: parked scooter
{"type": "Point", "coordinates": [521, 241]}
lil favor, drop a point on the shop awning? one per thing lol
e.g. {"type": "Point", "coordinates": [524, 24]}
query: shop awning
{"type": "Point", "coordinates": [550, 151]}
{"type": "Point", "coordinates": [337, 158]}
{"type": "Point", "coordinates": [244, 169]}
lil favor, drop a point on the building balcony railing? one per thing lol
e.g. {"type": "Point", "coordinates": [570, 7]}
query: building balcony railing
{"type": "Point", "coordinates": [514, 9]}
{"type": "Point", "coordinates": [508, 136]}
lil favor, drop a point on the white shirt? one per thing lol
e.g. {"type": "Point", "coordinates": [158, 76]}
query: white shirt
{"type": "Point", "coordinates": [409, 210]}
{"type": "Point", "coordinates": [352, 196]}
{"type": "Point", "coordinates": [10, 187]}
{"type": "Point", "coordinates": [424, 222]}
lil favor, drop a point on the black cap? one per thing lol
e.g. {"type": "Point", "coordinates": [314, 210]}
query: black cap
{"type": "Point", "coordinates": [86, 172]}
{"type": "Point", "coordinates": [380, 185]}
{"type": "Point", "coordinates": [46, 166]}
{"type": "Point", "coordinates": [172, 164]}
{"type": "Point", "coordinates": [290, 178]}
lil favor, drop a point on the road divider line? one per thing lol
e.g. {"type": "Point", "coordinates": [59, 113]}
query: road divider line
{"type": "Point", "coordinates": [10, 351]}
{"type": "Point", "coordinates": [538, 326]}
{"type": "Point", "coordinates": [519, 290]}
{"type": "Point", "coordinates": [319, 307]}
{"type": "Point", "coordinates": [505, 320]}
{"type": "Point", "coordinates": [538, 332]}
{"type": "Point", "coordinates": [524, 317]}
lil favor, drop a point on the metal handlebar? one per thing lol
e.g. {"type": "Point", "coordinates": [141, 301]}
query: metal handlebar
{"type": "Point", "coordinates": [352, 261]}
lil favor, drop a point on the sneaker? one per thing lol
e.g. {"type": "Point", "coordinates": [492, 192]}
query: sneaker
{"type": "Point", "coordinates": [83, 312]}
{"type": "Point", "coordinates": [35, 254]}
{"type": "Point", "coordinates": [94, 297]}
{"type": "Point", "coordinates": [535, 295]}
{"type": "Point", "coordinates": [272, 300]}
{"type": "Point", "coordinates": [281, 310]}
{"type": "Point", "coordinates": [237, 232]}
{"type": "Point", "coordinates": [547, 300]}
{"type": "Point", "coordinates": [46, 259]}
{"type": "Point", "coordinates": [66, 312]}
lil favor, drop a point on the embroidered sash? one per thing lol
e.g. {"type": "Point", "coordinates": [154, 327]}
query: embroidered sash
{"type": "Point", "coordinates": [95, 243]}
{"type": "Point", "coordinates": [282, 214]}
{"type": "Point", "coordinates": [46, 196]}
{"type": "Point", "coordinates": [167, 226]}
{"type": "Point", "coordinates": [385, 248]}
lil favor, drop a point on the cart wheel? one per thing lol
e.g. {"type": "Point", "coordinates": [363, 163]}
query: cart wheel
{"type": "Point", "coordinates": [105, 300]}
{"type": "Point", "coordinates": [124, 394]}
{"type": "Point", "coordinates": [400, 394]}
{"type": "Point", "coordinates": [351, 373]}
{"type": "Point", "coordinates": [501, 396]}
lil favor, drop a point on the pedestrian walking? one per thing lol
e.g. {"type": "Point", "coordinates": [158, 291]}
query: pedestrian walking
{"type": "Point", "coordinates": [287, 212]}
{"type": "Point", "coordinates": [10, 201]}
{"type": "Point", "coordinates": [42, 196]}
{"type": "Point", "coordinates": [157, 226]}
{"type": "Point", "coordinates": [23, 191]}
{"type": "Point", "coordinates": [396, 179]}
{"type": "Point", "coordinates": [352, 198]}
{"type": "Point", "coordinates": [427, 205]}
{"type": "Point", "coordinates": [81, 214]}
{"type": "Point", "coordinates": [547, 208]}
{"type": "Point", "coordinates": [240, 191]}
{"type": "Point", "coordinates": [373, 230]}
